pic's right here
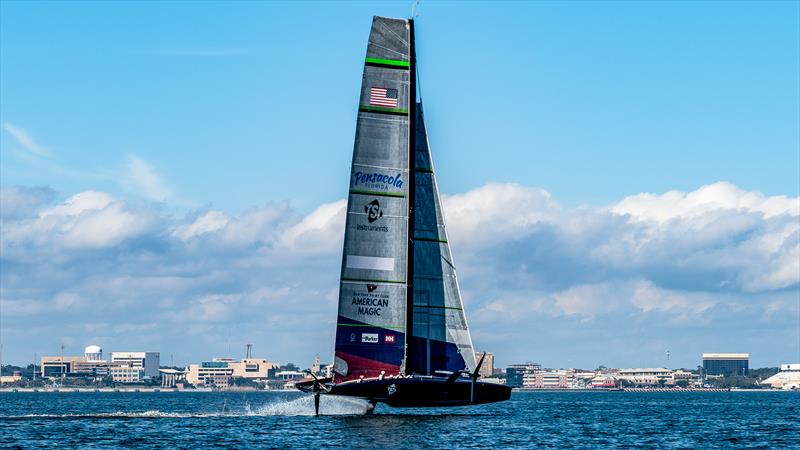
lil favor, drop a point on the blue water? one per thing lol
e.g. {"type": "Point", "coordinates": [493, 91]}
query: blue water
{"type": "Point", "coordinates": [285, 420]}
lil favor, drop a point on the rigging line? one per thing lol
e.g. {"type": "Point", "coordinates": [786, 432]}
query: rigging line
{"type": "Point", "coordinates": [383, 24]}
{"type": "Point", "coordinates": [387, 49]}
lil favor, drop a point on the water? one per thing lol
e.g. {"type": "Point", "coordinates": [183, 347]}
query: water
{"type": "Point", "coordinates": [285, 420]}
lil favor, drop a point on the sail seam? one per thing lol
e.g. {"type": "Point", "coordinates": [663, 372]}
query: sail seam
{"type": "Point", "coordinates": [362, 280]}
{"type": "Point", "coordinates": [438, 307]}
{"type": "Point", "coordinates": [379, 110]}
{"type": "Point", "coordinates": [441, 241]}
{"type": "Point", "coordinates": [392, 327]}
{"type": "Point", "coordinates": [379, 194]}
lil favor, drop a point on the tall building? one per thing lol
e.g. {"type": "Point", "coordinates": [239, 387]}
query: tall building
{"type": "Point", "coordinates": [487, 368]}
{"type": "Point", "coordinates": [730, 364]}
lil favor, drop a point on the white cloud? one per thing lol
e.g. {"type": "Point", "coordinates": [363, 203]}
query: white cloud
{"type": "Point", "coordinates": [143, 179]}
{"type": "Point", "coordinates": [25, 140]}
{"type": "Point", "coordinates": [531, 270]}
{"type": "Point", "coordinates": [206, 223]}
{"type": "Point", "coordinates": [21, 202]}
{"type": "Point", "coordinates": [696, 208]}
{"type": "Point", "coordinates": [320, 231]}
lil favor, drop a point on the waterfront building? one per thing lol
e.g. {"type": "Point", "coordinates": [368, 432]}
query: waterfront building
{"type": "Point", "coordinates": [647, 376]}
{"type": "Point", "coordinates": [59, 366]}
{"type": "Point", "coordinates": [149, 361]}
{"type": "Point", "coordinates": [123, 373]}
{"type": "Point", "coordinates": [172, 377]}
{"type": "Point", "coordinates": [788, 378]}
{"type": "Point", "coordinates": [13, 378]}
{"type": "Point", "coordinates": [602, 381]}
{"type": "Point", "coordinates": [552, 379]}
{"type": "Point", "coordinates": [487, 368]}
{"type": "Point", "coordinates": [219, 371]}
{"type": "Point", "coordinates": [209, 373]}
{"type": "Point", "coordinates": [522, 375]}
{"type": "Point", "coordinates": [722, 364]}
{"type": "Point", "coordinates": [289, 375]}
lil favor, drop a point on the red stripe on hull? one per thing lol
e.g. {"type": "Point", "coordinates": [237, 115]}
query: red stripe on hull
{"type": "Point", "coordinates": [358, 366]}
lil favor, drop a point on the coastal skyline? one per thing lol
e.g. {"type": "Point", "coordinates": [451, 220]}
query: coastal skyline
{"type": "Point", "coordinates": [183, 189]}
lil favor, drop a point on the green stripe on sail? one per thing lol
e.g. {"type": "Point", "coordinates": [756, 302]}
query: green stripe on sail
{"type": "Point", "coordinates": [367, 325]}
{"type": "Point", "coordinates": [364, 280]}
{"type": "Point", "coordinates": [388, 62]}
{"type": "Point", "coordinates": [442, 241]}
{"type": "Point", "coordinates": [423, 170]}
{"type": "Point", "coordinates": [381, 110]}
{"type": "Point", "coordinates": [437, 307]}
{"type": "Point", "coordinates": [379, 194]}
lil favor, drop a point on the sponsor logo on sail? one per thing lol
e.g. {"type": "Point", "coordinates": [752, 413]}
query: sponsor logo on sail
{"type": "Point", "coordinates": [369, 338]}
{"type": "Point", "coordinates": [378, 181]}
{"type": "Point", "coordinates": [392, 389]}
{"type": "Point", "coordinates": [370, 303]}
{"type": "Point", "coordinates": [373, 210]}
{"type": "Point", "coordinates": [374, 213]}
{"type": "Point", "coordinates": [388, 339]}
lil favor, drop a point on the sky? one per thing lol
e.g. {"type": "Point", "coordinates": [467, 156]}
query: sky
{"type": "Point", "coordinates": [620, 178]}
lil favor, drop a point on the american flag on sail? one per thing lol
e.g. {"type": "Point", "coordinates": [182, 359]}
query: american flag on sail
{"type": "Point", "coordinates": [383, 97]}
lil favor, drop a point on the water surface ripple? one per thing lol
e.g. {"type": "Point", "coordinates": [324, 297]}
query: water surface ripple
{"type": "Point", "coordinates": [285, 420]}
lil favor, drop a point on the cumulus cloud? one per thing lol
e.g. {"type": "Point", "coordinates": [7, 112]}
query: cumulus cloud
{"type": "Point", "coordinates": [18, 202]}
{"type": "Point", "coordinates": [535, 275]}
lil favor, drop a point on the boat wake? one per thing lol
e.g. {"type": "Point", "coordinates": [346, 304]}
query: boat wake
{"type": "Point", "coordinates": [303, 406]}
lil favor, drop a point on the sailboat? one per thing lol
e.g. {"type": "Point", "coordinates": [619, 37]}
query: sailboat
{"type": "Point", "coordinates": [401, 333]}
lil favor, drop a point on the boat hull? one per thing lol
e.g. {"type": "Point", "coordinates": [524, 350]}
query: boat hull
{"type": "Point", "coordinates": [414, 391]}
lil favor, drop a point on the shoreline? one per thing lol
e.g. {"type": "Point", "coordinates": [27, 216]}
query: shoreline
{"type": "Point", "coordinates": [135, 390]}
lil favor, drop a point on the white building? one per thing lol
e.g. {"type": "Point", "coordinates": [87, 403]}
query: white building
{"type": "Point", "coordinates": [149, 361]}
{"type": "Point", "coordinates": [126, 374]}
{"type": "Point", "coordinates": [788, 378]}
{"type": "Point", "coordinates": [648, 376]}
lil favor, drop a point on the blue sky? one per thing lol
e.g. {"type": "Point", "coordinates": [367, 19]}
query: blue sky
{"type": "Point", "coordinates": [190, 120]}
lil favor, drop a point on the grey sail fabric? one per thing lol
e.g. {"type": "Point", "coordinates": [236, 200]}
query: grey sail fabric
{"type": "Point", "coordinates": [440, 336]}
{"type": "Point", "coordinates": [371, 324]}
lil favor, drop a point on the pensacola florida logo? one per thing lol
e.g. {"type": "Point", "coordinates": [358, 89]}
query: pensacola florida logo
{"type": "Point", "coordinates": [378, 180]}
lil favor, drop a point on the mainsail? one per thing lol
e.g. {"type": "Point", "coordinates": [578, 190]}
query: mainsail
{"type": "Point", "coordinates": [371, 328]}
{"type": "Point", "coordinates": [389, 322]}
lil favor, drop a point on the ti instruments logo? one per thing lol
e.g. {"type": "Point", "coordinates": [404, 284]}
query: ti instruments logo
{"type": "Point", "coordinates": [373, 210]}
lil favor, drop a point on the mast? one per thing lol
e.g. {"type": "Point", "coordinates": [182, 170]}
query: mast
{"type": "Point", "coordinates": [412, 155]}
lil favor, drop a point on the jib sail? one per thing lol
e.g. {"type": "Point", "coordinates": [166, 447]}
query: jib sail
{"type": "Point", "coordinates": [440, 338]}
